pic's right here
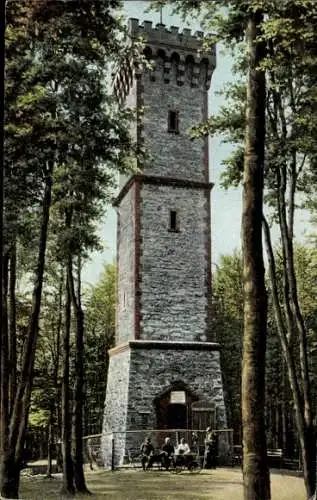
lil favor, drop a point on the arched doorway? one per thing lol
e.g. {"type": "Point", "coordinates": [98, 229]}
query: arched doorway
{"type": "Point", "coordinates": [174, 407]}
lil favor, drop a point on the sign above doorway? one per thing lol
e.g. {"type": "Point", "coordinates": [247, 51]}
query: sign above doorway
{"type": "Point", "coordinates": [178, 397]}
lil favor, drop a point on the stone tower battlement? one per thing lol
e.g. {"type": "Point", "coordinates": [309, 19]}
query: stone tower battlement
{"type": "Point", "coordinates": [175, 56]}
{"type": "Point", "coordinates": [171, 38]}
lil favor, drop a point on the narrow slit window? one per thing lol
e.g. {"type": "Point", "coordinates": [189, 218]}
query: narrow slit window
{"type": "Point", "coordinates": [173, 220]}
{"type": "Point", "coordinates": [173, 122]}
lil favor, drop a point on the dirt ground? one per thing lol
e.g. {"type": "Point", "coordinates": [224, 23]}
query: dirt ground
{"type": "Point", "coordinates": [217, 484]}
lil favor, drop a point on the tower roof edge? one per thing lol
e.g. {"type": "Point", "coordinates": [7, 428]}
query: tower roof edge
{"type": "Point", "coordinates": [160, 35]}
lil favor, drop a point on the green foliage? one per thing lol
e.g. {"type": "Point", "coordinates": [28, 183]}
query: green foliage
{"type": "Point", "coordinates": [99, 307]}
{"type": "Point", "coordinates": [46, 391]}
{"type": "Point", "coordinates": [59, 109]}
{"type": "Point", "coordinates": [228, 327]}
{"type": "Point", "coordinates": [100, 311]}
{"type": "Point", "coordinates": [306, 273]}
{"type": "Point", "coordinates": [38, 418]}
{"type": "Point", "coordinates": [61, 121]}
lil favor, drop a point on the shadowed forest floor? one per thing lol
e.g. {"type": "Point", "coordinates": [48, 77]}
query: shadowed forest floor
{"type": "Point", "coordinates": [217, 484]}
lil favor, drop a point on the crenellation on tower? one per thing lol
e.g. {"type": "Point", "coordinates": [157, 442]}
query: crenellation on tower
{"type": "Point", "coordinates": [167, 49]}
{"type": "Point", "coordinates": [171, 38]}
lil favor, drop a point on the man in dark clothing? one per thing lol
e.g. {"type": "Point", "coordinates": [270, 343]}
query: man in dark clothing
{"type": "Point", "coordinates": [147, 450]}
{"type": "Point", "coordinates": [211, 449]}
{"type": "Point", "coordinates": [167, 453]}
{"type": "Point", "coordinates": [214, 450]}
{"type": "Point", "coordinates": [208, 449]}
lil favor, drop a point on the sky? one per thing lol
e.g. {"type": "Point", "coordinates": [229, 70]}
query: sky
{"type": "Point", "coordinates": [226, 205]}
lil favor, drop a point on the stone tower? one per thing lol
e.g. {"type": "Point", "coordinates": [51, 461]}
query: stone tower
{"type": "Point", "coordinates": [164, 371]}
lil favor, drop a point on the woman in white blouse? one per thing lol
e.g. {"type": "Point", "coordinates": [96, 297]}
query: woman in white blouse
{"type": "Point", "coordinates": [182, 448]}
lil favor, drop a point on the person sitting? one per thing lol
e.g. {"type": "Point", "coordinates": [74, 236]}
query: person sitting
{"type": "Point", "coordinates": [167, 453]}
{"type": "Point", "coordinates": [147, 451]}
{"type": "Point", "coordinates": [181, 453]}
{"type": "Point", "coordinates": [164, 457]}
{"type": "Point", "coordinates": [182, 448]}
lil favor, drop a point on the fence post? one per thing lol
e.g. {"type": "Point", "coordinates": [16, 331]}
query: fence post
{"type": "Point", "coordinates": [112, 452]}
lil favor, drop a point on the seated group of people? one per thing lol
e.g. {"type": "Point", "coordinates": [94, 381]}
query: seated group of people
{"type": "Point", "coordinates": [167, 455]}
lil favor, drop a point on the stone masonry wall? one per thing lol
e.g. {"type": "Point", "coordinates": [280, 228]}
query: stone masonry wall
{"type": "Point", "coordinates": [126, 256]}
{"type": "Point", "coordinates": [116, 406]}
{"type": "Point", "coordinates": [138, 375]}
{"type": "Point", "coordinates": [173, 265]}
{"type": "Point", "coordinates": [172, 155]}
{"type": "Point", "coordinates": [130, 102]}
{"type": "Point", "coordinates": [152, 371]}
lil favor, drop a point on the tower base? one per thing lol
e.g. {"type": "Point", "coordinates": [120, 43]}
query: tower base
{"type": "Point", "coordinates": [160, 385]}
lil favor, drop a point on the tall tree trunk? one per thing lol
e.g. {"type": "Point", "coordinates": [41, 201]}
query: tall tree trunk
{"type": "Point", "coordinates": [292, 323]}
{"type": "Point", "coordinates": [291, 299]}
{"type": "Point", "coordinates": [55, 408]}
{"type": "Point", "coordinates": [305, 432]}
{"type": "Point", "coordinates": [10, 477]}
{"type": "Point", "coordinates": [5, 341]}
{"type": "Point", "coordinates": [283, 415]}
{"type": "Point", "coordinates": [307, 440]}
{"type": "Point", "coordinates": [315, 494]}
{"type": "Point", "coordinates": [50, 439]}
{"type": "Point", "coordinates": [255, 468]}
{"type": "Point", "coordinates": [3, 358]}
{"type": "Point", "coordinates": [79, 384]}
{"type": "Point", "coordinates": [4, 364]}
{"type": "Point", "coordinates": [68, 475]}
{"type": "Point", "coordinates": [12, 328]}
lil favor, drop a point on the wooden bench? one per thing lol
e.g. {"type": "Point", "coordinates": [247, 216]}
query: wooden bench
{"type": "Point", "coordinates": [275, 458]}
{"type": "Point", "coordinates": [237, 455]}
